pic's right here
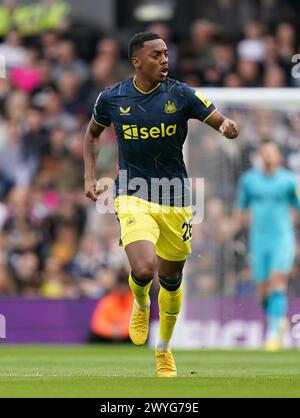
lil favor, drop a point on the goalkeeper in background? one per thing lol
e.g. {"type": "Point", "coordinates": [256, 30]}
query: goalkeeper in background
{"type": "Point", "coordinates": [270, 193]}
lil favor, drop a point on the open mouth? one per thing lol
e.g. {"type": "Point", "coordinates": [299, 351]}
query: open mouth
{"type": "Point", "coordinates": [164, 71]}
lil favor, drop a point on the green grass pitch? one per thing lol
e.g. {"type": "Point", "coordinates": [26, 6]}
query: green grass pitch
{"type": "Point", "coordinates": [128, 371]}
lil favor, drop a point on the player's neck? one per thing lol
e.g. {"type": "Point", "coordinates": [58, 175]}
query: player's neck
{"type": "Point", "coordinates": [144, 85]}
{"type": "Point", "coordinates": [270, 170]}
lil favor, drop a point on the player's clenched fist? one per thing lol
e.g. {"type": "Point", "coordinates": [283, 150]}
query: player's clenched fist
{"type": "Point", "coordinates": [91, 189]}
{"type": "Point", "coordinates": [229, 129]}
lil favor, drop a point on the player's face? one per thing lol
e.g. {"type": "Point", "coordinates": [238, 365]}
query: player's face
{"type": "Point", "coordinates": [152, 60]}
{"type": "Point", "coordinates": [271, 156]}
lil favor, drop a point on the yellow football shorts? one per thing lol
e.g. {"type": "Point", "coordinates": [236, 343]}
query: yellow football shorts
{"type": "Point", "coordinates": [168, 228]}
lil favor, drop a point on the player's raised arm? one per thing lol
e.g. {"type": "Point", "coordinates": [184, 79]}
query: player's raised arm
{"type": "Point", "coordinates": [90, 149]}
{"type": "Point", "coordinates": [201, 108]}
{"type": "Point", "coordinates": [226, 127]}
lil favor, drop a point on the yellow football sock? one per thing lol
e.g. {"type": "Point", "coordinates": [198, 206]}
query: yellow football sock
{"type": "Point", "coordinates": [169, 304]}
{"type": "Point", "coordinates": [141, 293]}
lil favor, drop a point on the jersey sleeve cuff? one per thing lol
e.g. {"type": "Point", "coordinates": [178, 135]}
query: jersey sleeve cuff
{"type": "Point", "coordinates": [100, 124]}
{"type": "Point", "coordinates": [211, 113]}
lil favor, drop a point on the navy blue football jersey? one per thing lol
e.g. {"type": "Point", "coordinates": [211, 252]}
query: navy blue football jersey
{"type": "Point", "coordinates": [151, 129]}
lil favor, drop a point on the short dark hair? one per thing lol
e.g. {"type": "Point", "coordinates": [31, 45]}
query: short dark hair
{"type": "Point", "coordinates": [138, 40]}
{"type": "Point", "coordinates": [267, 141]}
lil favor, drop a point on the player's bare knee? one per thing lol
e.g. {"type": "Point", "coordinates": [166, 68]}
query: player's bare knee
{"type": "Point", "coordinates": [145, 269]}
{"type": "Point", "coordinates": [171, 283]}
{"type": "Point", "coordinates": [277, 282]}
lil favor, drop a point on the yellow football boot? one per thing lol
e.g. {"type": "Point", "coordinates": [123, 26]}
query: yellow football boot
{"type": "Point", "coordinates": [165, 364]}
{"type": "Point", "coordinates": [273, 345]}
{"type": "Point", "coordinates": [139, 324]}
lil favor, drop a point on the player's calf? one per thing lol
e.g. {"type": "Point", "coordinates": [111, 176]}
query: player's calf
{"type": "Point", "coordinates": [169, 302]}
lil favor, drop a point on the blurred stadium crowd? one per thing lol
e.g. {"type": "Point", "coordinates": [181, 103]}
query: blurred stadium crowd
{"type": "Point", "coordinates": [53, 243]}
{"type": "Point", "coordinates": [219, 263]}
